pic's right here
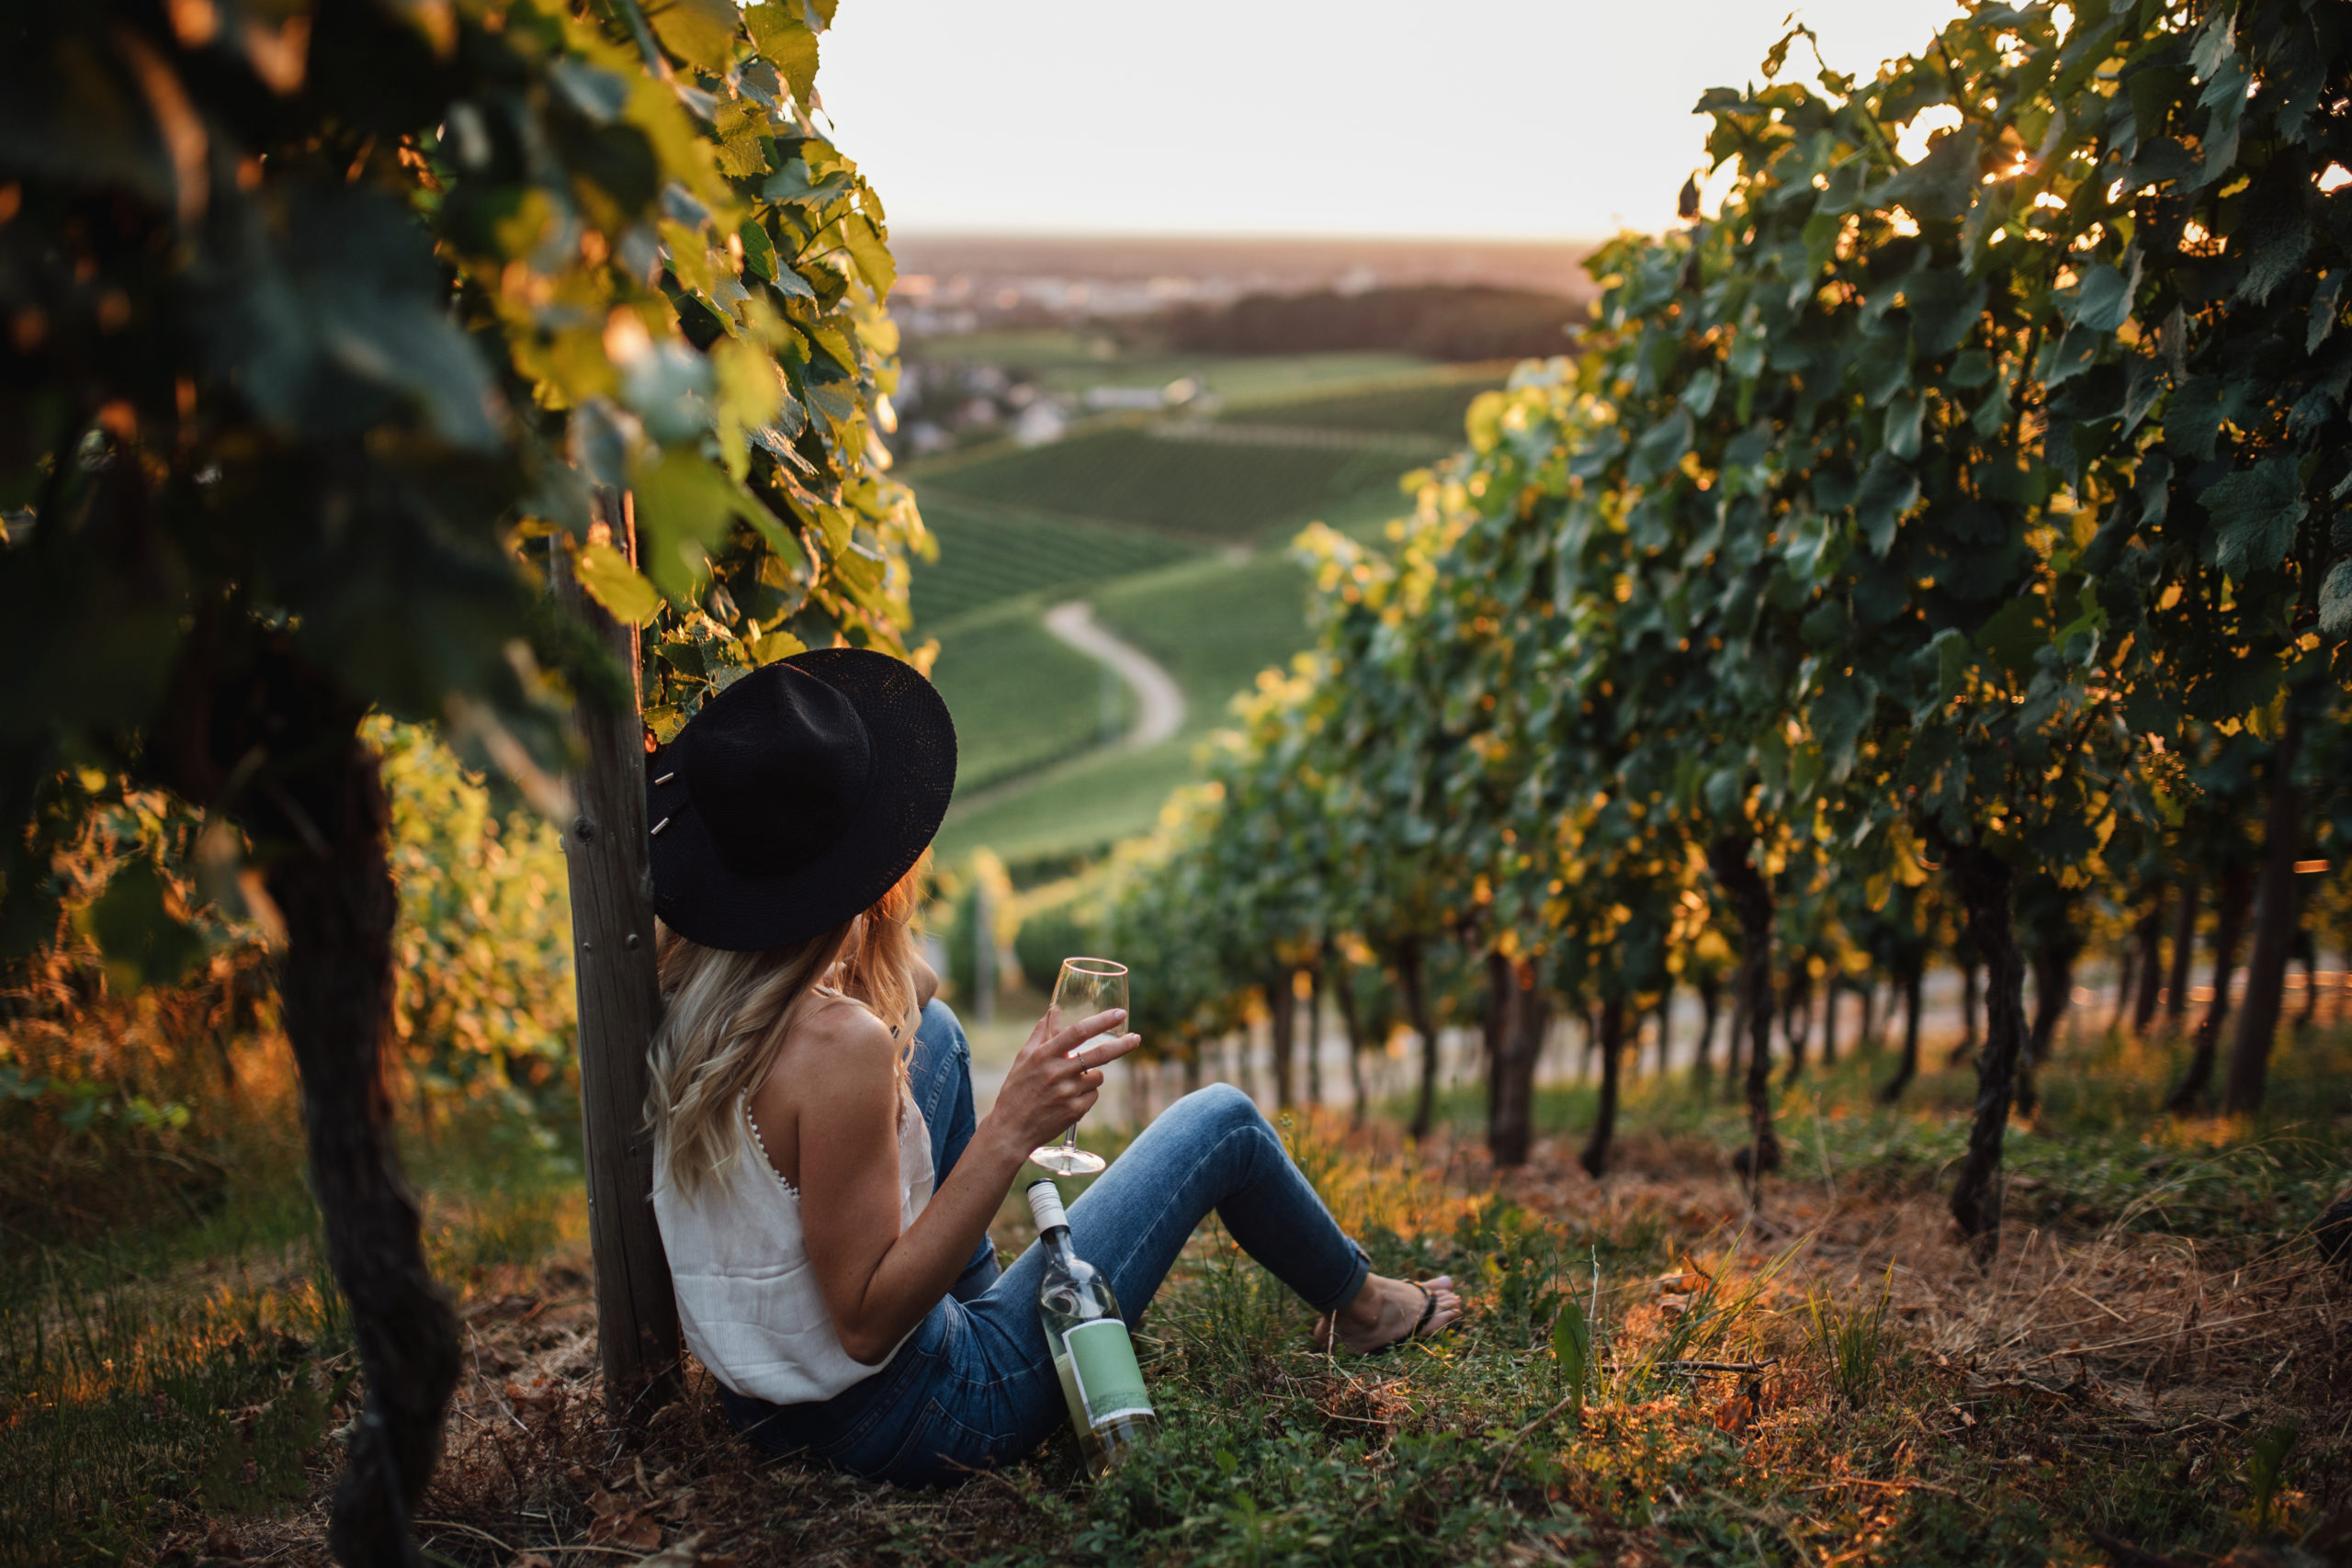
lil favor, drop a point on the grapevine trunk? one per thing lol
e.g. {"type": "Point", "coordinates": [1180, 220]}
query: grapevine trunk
{"type": "Point", "coordinates": [2274, 926]}
{"type": "Point", "coordinates": [1595, 1158]}
{"type": "Point", "coordinates": [1408, 971]}
{"type": "Point", "coordinates": [1983, 881]}
{"type": "Point", "coordinates": [2148, 935]}
{"type": "Point", "coordinates": [1728, 857]}
{"type": "Point", "coordinates": [2234, 894]}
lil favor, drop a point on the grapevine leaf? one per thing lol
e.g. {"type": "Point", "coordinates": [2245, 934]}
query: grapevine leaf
{"type": "Point", "coordinates": [617, 586]}
{"type": "Point", "coordinates": [701, 32]}
{"type": "Point", "coordinates": [2276, 233]}
{"type": "Point", "coordinates": [2335, 602]}
{"type": "Point", "coordinates": [2215, 45]}
{"type": "Point", "coordinates": [1888, 490]}
{"type": "Point", "coordinates": [1661, 446]}
{"type": "Point", "coordinates": [1941, 185]}
{"type": "Point", "coordinates": [684, 507]}
{"type": "Point", "coordinates": [598, 93]}
{"type": "Point", "coordinates": [873, 257]}
{"type": "Point", "coordinates": [1903, 418]}
{"type": "Point", "coordinates": [2064, 358]}
{"type": "Point", "coordinates": [2255, 511]}
{"type": "Point", "coordinates": [2103, 300]}
{"type": "Point", "coordinates": [785, 39]}
{"type": "Point", "coordinates": [1943, 307]}
{"type": "Point", "coordinates": [2016, 632]}
{"type": "Point", "coordinates": [2323, 307]}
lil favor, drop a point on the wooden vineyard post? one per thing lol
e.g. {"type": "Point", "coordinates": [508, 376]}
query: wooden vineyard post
{"type": "Point", "coordinates": [612, 932]}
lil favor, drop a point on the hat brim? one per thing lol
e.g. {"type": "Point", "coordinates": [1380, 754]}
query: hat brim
{"type": "Point", "coordinates": [910, 779]}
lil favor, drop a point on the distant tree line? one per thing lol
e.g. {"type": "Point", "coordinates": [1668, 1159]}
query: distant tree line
{"type": "Point", "coordinates": [1434, 321]}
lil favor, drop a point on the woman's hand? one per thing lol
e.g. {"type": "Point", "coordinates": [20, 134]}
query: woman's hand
{"type": "Point", "coordinates": [1046, 1089]}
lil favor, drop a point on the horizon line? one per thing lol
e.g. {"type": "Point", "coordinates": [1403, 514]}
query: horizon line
{"type": "Point", "coordinates": [901, 228]}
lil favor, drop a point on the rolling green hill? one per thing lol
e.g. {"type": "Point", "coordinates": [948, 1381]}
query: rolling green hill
{"type": "Point", "coordinates": [1021, 698]}
{"type": "Point", "coordinates": [1128, 521]}
{"type": "Point", "coordinates": [1214, 624]}
{"type": "Point", "coordinates": [989, 552]}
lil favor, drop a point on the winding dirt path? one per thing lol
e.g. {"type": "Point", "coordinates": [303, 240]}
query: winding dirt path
{"type": "Point", "coordinates": [1159, 700]}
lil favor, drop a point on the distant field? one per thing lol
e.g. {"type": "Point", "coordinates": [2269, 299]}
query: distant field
{"type": "Point", "coordinates": [1236, 380]}
{"type": "Point", "coordinates": [1022, 699]}
{"type": "Point", "coordinates": [989, 552]}
{"type": "Point", "coordinates": [1215, 625]}
{"type": "Point", "coordinates": [1428, 408]}
{"type": "Point", "coordinates": [1202, 491]}
{"type": "Point", "coordinates": [1066, 361]}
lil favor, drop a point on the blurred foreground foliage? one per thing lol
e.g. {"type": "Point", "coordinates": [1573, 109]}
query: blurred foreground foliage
{"type": "Point", "coordinates": [115, 1092]}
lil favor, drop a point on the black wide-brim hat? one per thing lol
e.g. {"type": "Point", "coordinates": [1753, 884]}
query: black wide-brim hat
{"type": "Point", "coordinates": [796, 797]}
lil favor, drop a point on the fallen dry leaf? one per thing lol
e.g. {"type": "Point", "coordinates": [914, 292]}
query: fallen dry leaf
{"type": "Point", "coordinates": [631, 1529]}
{"type": "Point", "coordinates": [684, 1553]}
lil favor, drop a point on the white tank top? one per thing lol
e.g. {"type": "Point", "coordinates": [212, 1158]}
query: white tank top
{"type": "Point", "coordinates": [748, 1299]}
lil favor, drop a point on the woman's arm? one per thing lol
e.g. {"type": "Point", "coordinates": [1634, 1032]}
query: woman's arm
{"type": "Point", "coordinates": [878, 1280]}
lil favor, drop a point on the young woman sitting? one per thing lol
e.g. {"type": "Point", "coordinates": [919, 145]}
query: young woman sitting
{"type": "Point", "coordinates": [823, 1187]}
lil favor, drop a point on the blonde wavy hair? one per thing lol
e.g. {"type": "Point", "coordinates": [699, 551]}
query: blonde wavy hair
{"type": "Point", "coordinates": [725, 1016]}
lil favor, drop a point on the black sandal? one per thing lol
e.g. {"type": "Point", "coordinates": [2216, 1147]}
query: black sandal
{"type": "Point", "coordinates": [1420, 1324]}
{"type": "Point", "coordinates": [1329, 1329]}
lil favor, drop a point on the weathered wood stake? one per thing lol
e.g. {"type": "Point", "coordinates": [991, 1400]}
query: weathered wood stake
{"type": "Point", "coordinates": [612, 932]}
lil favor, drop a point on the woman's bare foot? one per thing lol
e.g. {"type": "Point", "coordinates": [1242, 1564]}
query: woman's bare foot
{"type": "Point", "coordinates": [1385, 1312]}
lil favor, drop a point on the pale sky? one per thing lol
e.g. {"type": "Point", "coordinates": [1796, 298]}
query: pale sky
{"type": "Point", "coordinates": [1527, 118]}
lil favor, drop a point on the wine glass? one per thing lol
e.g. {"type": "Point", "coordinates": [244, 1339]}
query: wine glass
{"type": "Point", "coordinates": [1084, 987]}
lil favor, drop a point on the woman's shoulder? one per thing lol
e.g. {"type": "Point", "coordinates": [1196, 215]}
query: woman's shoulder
{"type": "Point", "coordinates": [837, 1040]}
{"type": "Point", "coordinates": [835, 1017]}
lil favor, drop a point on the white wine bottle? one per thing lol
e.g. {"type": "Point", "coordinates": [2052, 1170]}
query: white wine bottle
{"type": "Point", "coordinates": [1092, 1354]}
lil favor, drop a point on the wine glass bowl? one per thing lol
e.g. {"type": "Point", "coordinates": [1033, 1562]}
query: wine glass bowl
{"type": "Point", "coordinates": [1084, 986]}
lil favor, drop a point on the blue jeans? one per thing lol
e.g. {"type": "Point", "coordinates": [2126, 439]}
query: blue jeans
{"type": "Point", "coordinates": [974, 1385]}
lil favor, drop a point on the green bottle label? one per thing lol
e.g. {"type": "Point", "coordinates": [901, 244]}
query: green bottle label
{"type": "Point", "coordinates": [1103, 1364]}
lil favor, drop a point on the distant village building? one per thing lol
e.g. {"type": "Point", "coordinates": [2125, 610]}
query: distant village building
{"type": "Point", "coordinates": [1041, 422]}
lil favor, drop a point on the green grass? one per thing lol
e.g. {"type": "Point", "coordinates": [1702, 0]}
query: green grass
{"type": "Point", "coordinates": [1021, 698]}
{"type": "Point", "coordinates": [1193, 490]}
{"type": "Point", "coordinates": [989, 553]}
{"type": "Point", "coordinates": [160, 1373]}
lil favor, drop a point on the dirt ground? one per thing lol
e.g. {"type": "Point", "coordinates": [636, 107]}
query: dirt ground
{"type": "Point", "coordinates": [2081, 1346]}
